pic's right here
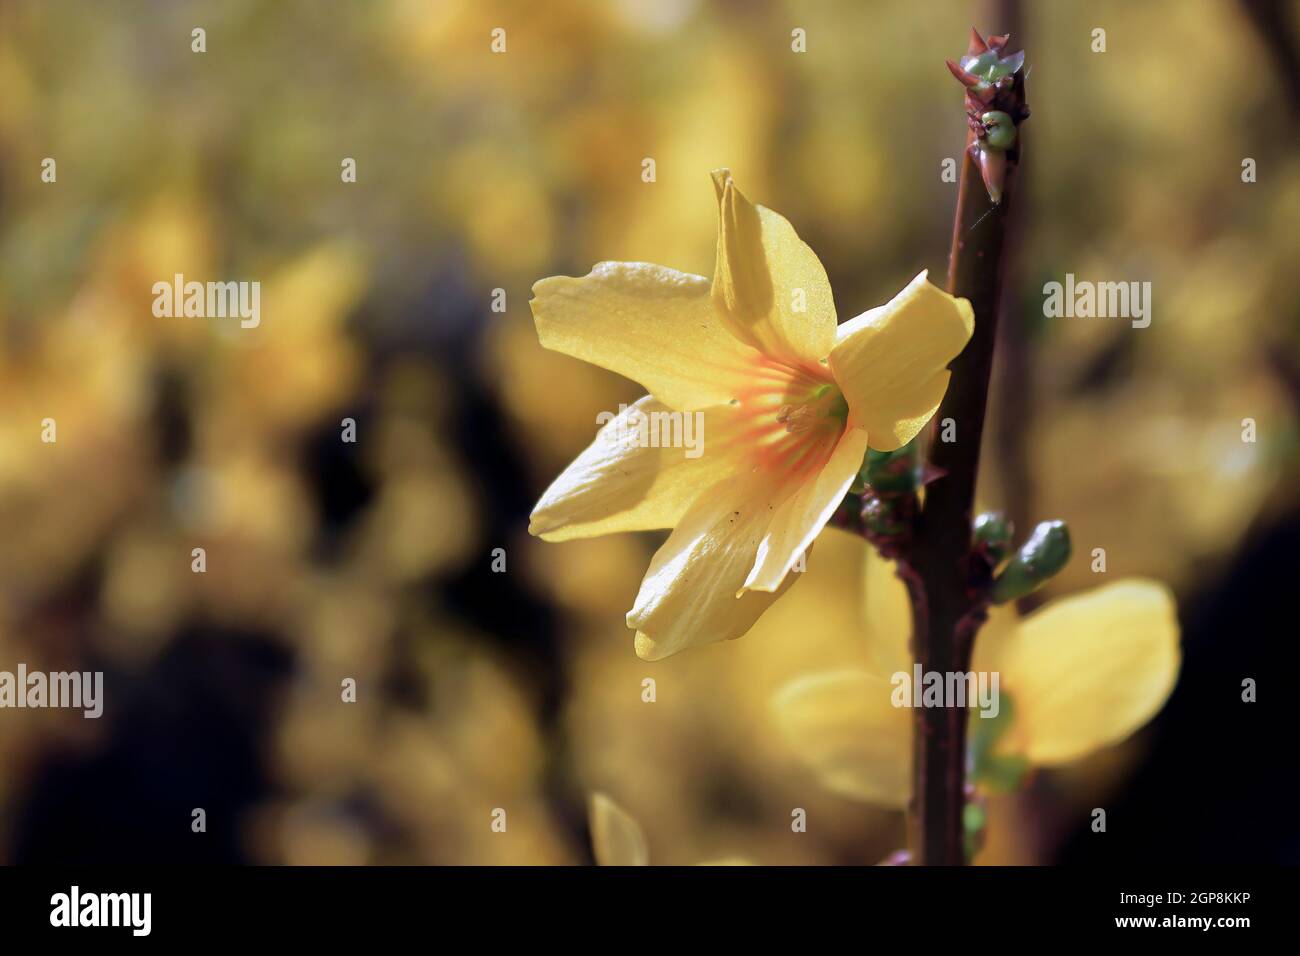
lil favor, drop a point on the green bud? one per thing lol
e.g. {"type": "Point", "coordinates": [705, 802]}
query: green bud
{"type": "Point", "coordinates": [992, 536]}
{"type": "Point", "coordinates": [1039, 558]}
{"type": "Point", "coordinates": [982, 65]}
{"type": "Point", "coordinates": [893, 472]}
{"type": "Point", "coordinates": [999, 129]}
{"type": "Point", "coordinates": [879, 517]}
{"type": "Point", "coordinates": [991, 67]}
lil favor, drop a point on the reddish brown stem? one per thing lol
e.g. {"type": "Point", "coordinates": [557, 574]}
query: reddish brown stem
{"type": "Point", "coordinates": [947, 607]}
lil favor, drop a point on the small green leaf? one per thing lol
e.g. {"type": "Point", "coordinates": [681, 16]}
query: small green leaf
{"type": "Point", "coordinates": [974, 817]}
{"type": "Point", "coordinates": [999, 774]}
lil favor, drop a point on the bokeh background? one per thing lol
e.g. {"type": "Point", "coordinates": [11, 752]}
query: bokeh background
{"type": "Point", "coordinates": [481, 171]}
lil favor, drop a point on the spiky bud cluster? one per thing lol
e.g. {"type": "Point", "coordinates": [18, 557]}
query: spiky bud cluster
{"type": "Point", "coordinates": [995, 106]}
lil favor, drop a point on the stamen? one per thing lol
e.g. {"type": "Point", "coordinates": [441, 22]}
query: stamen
{"type": "Point", "coordinates": [797, 418]}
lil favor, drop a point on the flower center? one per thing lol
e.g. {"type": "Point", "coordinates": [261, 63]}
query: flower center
{"type": "Point", "coordinates": [793, 418]}
{"type": "Point", "coordinates": [825, 401]}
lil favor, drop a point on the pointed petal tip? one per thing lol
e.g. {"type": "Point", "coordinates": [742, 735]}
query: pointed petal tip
{"type": "Point", "coordinates": [996, 43]}
{"type": "Point", "coordinates": [758, 581]}
{"type": "Point", "coordinates": [977, 44]}
{"type": "Point", "coordinates": [550, 525]}
{"type": "Point", "coordinates": [721, 180]}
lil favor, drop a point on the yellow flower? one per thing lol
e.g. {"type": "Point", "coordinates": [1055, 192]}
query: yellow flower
{"type": "Point", "coordinates": [787, 403]}
{"type": "Point", "coordinates": [617, 838]}
{"type": "Point", "coordinates": [1081, 673]}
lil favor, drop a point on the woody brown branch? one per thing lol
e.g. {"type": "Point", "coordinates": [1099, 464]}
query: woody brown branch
{"type": "Point", "coordinates": [947, 601]}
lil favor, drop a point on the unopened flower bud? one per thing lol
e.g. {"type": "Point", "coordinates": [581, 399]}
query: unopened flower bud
{"type": "Point", "coordinates": [1039, 558]}
{"type": "Point", "coordinates": [999, 129]}
{"type": "Point", "coordinates": [992, 536]}
{"type": "Point", "coordinates": [893, 472]}
{"type": "Point", "coordinates": [993, 170]}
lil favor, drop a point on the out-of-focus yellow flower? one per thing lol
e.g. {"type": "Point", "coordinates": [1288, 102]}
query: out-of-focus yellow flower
{"type": "Point", "coordinates": [786, 404]}
{"type": "Point", "coordinates": [842, 725]}
{"type": "Point", "coordinates": [617, 838]}
{"type": "Point", "coordinates": [1081, 673]}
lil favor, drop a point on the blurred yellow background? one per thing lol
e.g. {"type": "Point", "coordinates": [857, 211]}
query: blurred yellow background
{"type": "Point", "coordinates": [480, 171]}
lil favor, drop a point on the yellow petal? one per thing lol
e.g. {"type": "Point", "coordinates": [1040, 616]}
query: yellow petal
{"type": "Point", "coordinates": [616, 837]}
{"type": "Point", "coordinates": [801, 517]}
{"type": "Point", "coordinates": [890, 362]}
{"type": "Point", "coordinates": [689, 594]}
{"type": "Point", "coordinates": [622, 482]}
{"type": "Point", "coordinates": [887, 613]}
{"type": "Point", "coordinates": [844, 728]}
{"type": "Point", "coordinates": [996, 632]}
{"type": "Point", "coordinates": [769, 286]}
{"type": "Point", "coordinates": [1088, 670]}
{"type": "Point", "coordinates": [654, 325]}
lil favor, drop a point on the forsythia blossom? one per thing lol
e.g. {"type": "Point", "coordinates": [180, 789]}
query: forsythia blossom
{"type": "Point", "coordinates": [1080, 673]}
{"type": "Point", "coordinates": [790, 403]}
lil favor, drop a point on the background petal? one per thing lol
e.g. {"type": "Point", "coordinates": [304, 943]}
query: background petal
{"type": "Point", "coordinates": [844, 728]}
{"type": "Point", "coordinates": [616, 837]}
{"type": "Point", "coordinates": [1088, 670]}
{"type": "Point", "coordinates": [887, 614]}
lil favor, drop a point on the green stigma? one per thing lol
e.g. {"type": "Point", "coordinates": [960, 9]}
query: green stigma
{"type": "Point", "coordinates": [839, 407]}
{"type": "Point", "coordinates": [834, 402]}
